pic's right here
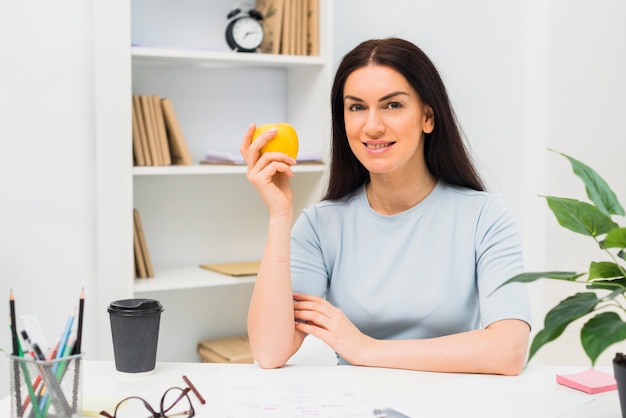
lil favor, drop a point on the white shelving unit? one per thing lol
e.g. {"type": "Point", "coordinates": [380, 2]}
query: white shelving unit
{"type": "Point", "coordinates": [210, 213]}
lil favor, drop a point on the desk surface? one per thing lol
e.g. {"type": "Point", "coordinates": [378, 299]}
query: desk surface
{"type": "Point", "coordinates": [533, 393]}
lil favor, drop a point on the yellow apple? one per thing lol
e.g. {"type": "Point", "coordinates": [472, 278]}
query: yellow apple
{"type": "Point", "coordinates": [285, 140]}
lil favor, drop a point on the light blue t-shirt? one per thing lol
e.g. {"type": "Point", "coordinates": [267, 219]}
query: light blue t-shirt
{"type": "Point", "coordinates": [422, 273]}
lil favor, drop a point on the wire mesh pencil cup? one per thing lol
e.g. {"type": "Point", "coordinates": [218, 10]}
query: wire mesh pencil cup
{"type": "Point", "coordinates": [46, 388]}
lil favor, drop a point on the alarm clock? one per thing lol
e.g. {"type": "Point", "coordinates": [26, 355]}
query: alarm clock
{"type": "Point", "coordinates": [244, 32]}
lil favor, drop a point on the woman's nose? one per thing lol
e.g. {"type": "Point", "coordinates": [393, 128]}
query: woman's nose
{"type": "Point", "coordinates": [374, 126]}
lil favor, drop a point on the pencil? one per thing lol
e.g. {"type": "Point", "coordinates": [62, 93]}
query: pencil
{"type": "Point", "coordinates": [13, 324]}
{"type": "Point", "coordinates": [194, 390]}
{"type": "Point", "coordinates": [66, 335]}
{"type": "Point", "coordinates": [79, 332]}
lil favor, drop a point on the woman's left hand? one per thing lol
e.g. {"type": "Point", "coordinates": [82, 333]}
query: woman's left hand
{"type": "Point", "coordinates": [316, 316]}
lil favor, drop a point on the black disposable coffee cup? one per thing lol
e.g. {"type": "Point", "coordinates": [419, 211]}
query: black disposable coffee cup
{"type": "Point", "coordinates": [135, 332]}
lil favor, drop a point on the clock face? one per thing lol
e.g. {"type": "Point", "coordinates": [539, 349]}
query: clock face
{"type": "Point", "coordinates": [247, 33]}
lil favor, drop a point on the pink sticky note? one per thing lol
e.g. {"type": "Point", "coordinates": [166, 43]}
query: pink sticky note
{"type": "Point", "coordinates": [590, 381]}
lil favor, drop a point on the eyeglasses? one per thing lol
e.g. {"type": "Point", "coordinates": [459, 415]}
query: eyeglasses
{"type": "Point", "coordinates": [175, 402]}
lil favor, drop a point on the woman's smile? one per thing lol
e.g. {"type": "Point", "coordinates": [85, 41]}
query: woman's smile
{"type": "Point", "coordinates": [376, 146]}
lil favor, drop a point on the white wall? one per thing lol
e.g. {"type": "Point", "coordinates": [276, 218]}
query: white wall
{"type": "Point", "coordinates": [522, 75]}
{"type": "Point", "coordinates": [587, 111]}
{"type": "Point", "coordinates": [47, 163]}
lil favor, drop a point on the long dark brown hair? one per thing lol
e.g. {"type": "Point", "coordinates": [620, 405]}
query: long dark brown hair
{"type": "Point", "coordinates": [445, 152]}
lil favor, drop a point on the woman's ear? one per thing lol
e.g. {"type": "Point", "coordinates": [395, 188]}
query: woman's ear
{"type": "Point", "coordinates": [429, 120]}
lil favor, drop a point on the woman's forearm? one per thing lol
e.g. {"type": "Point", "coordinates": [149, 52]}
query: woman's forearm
{"type": "Point", "coordinates": [273, 338]}
{"type": "Point", "coordinates": [499, 349]}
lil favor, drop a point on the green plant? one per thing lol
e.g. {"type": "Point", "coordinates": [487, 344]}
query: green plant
{"type": "Point", "coordinates": [605, 280]}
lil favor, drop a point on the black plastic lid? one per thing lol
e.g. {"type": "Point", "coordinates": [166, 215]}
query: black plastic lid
{"type": "Point", "coordinates": [135, 306]}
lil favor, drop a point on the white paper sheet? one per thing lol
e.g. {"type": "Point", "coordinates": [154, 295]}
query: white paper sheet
{"type": "Point", "coordinates": [293, 391]}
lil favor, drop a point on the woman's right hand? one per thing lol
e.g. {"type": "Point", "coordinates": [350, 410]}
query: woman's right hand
{"type": "Point", "coordinates": [269, 172]}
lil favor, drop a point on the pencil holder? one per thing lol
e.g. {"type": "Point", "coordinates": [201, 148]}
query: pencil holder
{"type": "Point", "coordinates": [46, 388]}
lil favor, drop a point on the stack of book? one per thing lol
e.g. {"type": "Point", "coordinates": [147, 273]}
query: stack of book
{"type": "Point", "coordinates": [143, 264]}
{"type": "Point", "coordinates": [157, 136]}
{"type": "Point", "coordinates": [291, 26]}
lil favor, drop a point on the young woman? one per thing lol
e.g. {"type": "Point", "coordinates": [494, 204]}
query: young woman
{"type": "Point", "coordinates": [399, 263]}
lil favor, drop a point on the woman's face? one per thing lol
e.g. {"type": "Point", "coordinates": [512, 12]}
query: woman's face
{"type": "Point", "coordinates": [385, 120]}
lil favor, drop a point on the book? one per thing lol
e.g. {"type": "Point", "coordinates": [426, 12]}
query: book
{"type": "Point", "coordinates": [589, 381]}
{"type": "Point", "coordinates": [178, 146]}
{"type": "Point", "coordinates": [140, 264]}
{"type": "Point", "coordinates": [216, 157]}
{"type": "Point", "coordinates": [272, 12]}
{"type": "Point", "coordinates": [313, 35]}
{"type": "Point", "coordinates": [225, 350]}
{"type": "Point", "coordinates": [161, 133]}
{"type": "Point", "coordinates": [239, 269]}
{"type": "Point", "coordinates": [297, 26]}
{"type": "Point", "coordinates": [143, 244]}
{"type": "Point", "coordinates": [285, 43]}
{"type": "Point", "coordinates": [235, 158]}
{"type": "Point", "coordinates": [141, 125]}
{"type": "Point", "coordinates": [153, 145]}
{"type": "Point", "coordinates": [138, 153]}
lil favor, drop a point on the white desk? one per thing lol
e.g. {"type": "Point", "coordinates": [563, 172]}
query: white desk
{"type": "Point", "coordinates": [379, 387]}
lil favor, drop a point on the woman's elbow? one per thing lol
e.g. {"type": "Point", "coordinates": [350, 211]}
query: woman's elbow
{"type": "Point", "coordinates": [268, 362]}
{"type": "Point", "coordinates": [513, 364]}
{"type": "Point", "coordinates": [512, 351]}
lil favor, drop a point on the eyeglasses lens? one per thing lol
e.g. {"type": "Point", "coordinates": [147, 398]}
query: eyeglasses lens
{"type": "Point", "coordinates": [174, 403]}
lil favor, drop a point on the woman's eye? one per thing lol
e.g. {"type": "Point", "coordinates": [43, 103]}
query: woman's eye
{"type": "Point", "coordinates": [355, 107]}
{"type": "Point", "coordinates": [394, 105]}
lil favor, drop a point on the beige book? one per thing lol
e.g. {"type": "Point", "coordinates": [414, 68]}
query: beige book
{"type": "Point", "coordinates": [297, 25]}
{"type": "Point", "coordinates": [140, 264]}
{"type": "Point", "coordinates": [285, 44]}
{"type": "Point", "coordinates": [177, 145]}
{"type": "Point", "coordinates": [272, 11]}
{"type": "Point", "coordinates": [225, 350]}
{"type": "Point", "coordinates": [141, 124]}
{"type": "Point", "coordinates": [143, 244]}
{"type": "Point", "coordinates": [237, 269]}
{"type": "Point", "coordinates": [153, 144]}
{"type": "Point", "coordinates": [313, 35]}
{"type": "Point", "coordinates": [160, 128]}
{"type": "Point", "coordinates": [137, 142]}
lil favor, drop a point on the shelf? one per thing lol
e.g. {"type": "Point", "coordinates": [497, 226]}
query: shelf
{"type": "Point", "coordinates": [204, 169]}
{"type": "Point", "coordinates": [186, 278]}
{"type": "Point", "coordinates": [146, 55]}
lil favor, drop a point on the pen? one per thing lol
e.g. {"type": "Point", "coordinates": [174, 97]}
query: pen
{"type": "Point", "coordinates": [194, 390]}
{"type": "Point", "coordinates": [39, 355]}
{"type": "Point", "coordinates": [388, 413]}
{"type": "Point", "coordinates": [29, 387]}
{"type": "Point", "coordinates": [79, 333]}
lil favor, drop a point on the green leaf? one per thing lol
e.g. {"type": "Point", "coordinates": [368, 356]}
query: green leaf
{"type": "Point", "coordinates": [580, 217]}
{"type": "Point", "coordinates": [600, 332]}
{"type": "Point", "coordinates": [559, 317]}
{"type": "Point", "coordinates": [604, 270]}
{"type": "Point", "coordinates": [608, 285]}
{"type": "Point", "coordinates": [615, 239]}
{"type": "Point", "coordinates": [597, 189]}
{"type": "Point", "coordinates": [569, 276]}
